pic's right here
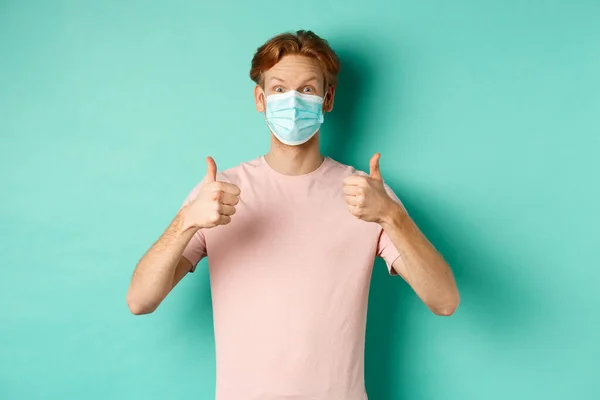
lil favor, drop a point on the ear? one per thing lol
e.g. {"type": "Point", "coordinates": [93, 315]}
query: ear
{"type": "Point", "coordinates": [328, 102]}
{"type": "Point", "coordinates": [259, 99]}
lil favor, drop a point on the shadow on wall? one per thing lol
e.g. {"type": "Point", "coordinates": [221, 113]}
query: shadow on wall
{"type": "Point", "coordinates": [341, 127]}
{"type": "Point", "coordinates": [492, 304]}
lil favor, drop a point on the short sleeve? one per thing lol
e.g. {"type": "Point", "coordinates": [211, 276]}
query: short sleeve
{"type": "Point", "coordinates": [196, 248]}
{"type": "Point", "coordinates": [385, 248]}
{"type": "Point", "coordinates": [387, 251]}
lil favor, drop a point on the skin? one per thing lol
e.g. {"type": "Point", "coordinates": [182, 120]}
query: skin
{"type": "Point", "coordinates": [163, 266]}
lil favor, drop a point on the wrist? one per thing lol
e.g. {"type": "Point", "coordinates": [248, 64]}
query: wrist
{"type": "Point", "coordinates": [394, 216]}
{"type": "Point", "coordinates": [188, 224]}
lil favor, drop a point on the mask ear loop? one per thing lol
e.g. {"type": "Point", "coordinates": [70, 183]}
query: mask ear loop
{"type": "Point", "coordinates": [326, 94]}
{"type": "Point", "coordinates": [264, 95]}
{"type": "Point", "coordinates": [322, 114]}
{"type": "Point", "coordinates": [323, 103]}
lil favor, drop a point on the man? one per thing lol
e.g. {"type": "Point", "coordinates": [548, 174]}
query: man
{"type": "Point", "coordinates": [291, 239]}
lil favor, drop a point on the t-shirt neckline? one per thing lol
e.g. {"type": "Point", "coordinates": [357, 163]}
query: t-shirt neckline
{"type": "Point", "coordinates": [311, 174]}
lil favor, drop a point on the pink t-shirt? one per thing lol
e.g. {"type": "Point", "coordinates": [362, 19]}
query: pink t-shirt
{"type": "Point", "coordinates": [290, 278]}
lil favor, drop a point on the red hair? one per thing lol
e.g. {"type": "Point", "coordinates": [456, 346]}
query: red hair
{"type": "Point", "coordinates": [305, 43]}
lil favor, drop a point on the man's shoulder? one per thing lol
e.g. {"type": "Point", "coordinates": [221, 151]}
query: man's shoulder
{"type": "Point", "coordinates": [236, 175]}
{"type": "Point", "coordinates": [243, 170]}
{"type": "Point", "coordinates": [344, 169]}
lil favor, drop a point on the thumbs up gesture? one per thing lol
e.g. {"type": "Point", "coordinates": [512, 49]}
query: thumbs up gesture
{"type": "Point", "coordinates": [215, 203]}
{"type": "Point", "coordinates": [366, 196]}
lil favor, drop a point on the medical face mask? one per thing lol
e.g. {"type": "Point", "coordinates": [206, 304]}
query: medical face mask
{"type": "Point", "coordinates": [293, 117]}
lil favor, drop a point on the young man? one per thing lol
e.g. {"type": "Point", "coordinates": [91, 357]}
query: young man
{"type": "Point", "coordinates": [291, 239]}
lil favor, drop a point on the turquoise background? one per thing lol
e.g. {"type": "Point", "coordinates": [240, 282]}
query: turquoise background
{"type": "Point", "coordinates": [487, 117]}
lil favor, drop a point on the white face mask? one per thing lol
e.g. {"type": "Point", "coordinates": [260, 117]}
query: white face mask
{"type": "Point", "coordinates": [293, 117]}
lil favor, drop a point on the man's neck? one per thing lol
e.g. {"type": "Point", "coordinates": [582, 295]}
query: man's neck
{"type": "Point", "coordinates": [294, 160]}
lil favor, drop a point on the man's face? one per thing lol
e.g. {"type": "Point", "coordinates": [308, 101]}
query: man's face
{"type": "Point", "coordinates": [294, 72]}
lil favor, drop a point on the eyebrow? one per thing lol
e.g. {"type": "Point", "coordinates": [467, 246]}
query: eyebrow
{"type": "Point", "coordinates": [312, 78]}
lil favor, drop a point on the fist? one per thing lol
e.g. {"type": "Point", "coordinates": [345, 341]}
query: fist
{"type": "Point", "coordinates": [216, 201]}
{"type": "Point", "coordinates": [366, 196]}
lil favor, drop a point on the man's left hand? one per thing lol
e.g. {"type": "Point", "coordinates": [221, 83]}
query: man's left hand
{"type": "Point", "coordinates": [366, 196]}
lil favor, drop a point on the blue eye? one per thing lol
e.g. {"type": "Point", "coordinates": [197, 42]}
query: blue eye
{"type": "Point", "coordinates": [307, 89]}
{"type": "Point", "coordinates": [278, 89]}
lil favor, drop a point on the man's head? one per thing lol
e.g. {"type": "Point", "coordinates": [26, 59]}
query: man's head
{"type": "Point", "coordinates": [300, 61]}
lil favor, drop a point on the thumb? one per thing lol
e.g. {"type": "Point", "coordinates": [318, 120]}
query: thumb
{"type": "Point", "coordinates": [211, 170]}
{"type": "Point", "coordinates": [374, 167]}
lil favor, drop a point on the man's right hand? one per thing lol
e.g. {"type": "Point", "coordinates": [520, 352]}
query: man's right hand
{"type": "Point", "coordinates": [215, 203]}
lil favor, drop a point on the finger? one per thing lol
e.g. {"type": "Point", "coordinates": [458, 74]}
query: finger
{"type": "Point", "coordinates": [354, 211]}
{"type": "Point", "coordinates": [211, 170]}
{"type": "Point", "coordinates": [229, 199]}
{"type": "Point", "coordinates": [224, 220]}
{"type": "Point", "coordinates": [226, 210]}
{"type": "Point", "coordinates": [227, 188]}
{"type": "Point", "coordinates": [352, 190]}
{"type": "Point", "coordinates": [351, 200]}
{"type": "Point", "coordinates": [355, 180]}
{"type": "Point", "coordinates": [375, 173]}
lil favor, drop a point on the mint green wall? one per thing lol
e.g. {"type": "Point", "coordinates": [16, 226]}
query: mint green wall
{"type": "Point", "coordinates": [487, 116]}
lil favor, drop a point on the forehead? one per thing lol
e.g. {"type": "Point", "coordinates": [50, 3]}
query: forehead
{"type": "Point", "coordinates": [295, 67]}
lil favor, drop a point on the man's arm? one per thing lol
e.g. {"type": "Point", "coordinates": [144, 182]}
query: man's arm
{"type": "Point", "coordinates": [419, 263]}
{"type": "Point", "coordinates": [163, 266]}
